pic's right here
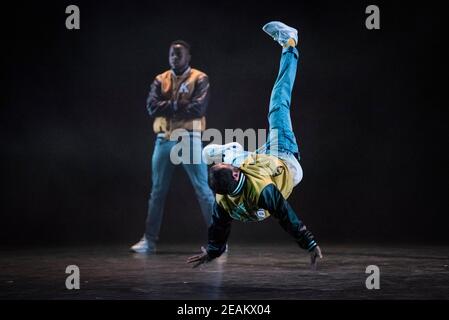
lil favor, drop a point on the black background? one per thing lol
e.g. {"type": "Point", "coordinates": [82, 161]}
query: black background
{"type": "Point", "coordinates": [367, 108]}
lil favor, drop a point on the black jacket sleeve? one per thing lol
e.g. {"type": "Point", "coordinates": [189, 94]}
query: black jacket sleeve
{"type": "Point", "coordinates": [218, 232]}
{"type": "Point", "coordinates": [196, 107]}
{"type": "Point", "coordinates": [271, 199]}
{"type": "Point", "coordinates": [157, 106]}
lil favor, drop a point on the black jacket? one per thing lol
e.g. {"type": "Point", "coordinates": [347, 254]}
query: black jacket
{"type": "Point", "coordinates": [272, 200]}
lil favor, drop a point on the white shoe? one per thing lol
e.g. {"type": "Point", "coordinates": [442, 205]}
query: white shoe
{"type": "Point", "coordinates": [144, 246]}
{"type": "Point", "coordinates": [280, 32]}
{"type": "Point", "coordinates": [217, 153]}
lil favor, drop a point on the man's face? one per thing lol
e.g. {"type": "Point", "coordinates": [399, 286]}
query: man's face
{"type": "Point", "coordinates": [235, 171]}
{"type": "Point", "coordinates": [179, 57]}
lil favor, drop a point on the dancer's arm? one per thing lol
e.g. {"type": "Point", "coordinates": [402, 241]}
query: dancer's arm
{"type": "Point", "coordinates": [218, 236]}
{"type": "Point", "coordinates": [272, 200]}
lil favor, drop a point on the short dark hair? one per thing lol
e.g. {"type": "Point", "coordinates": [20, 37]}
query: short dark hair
{"type": "Point", "coordinates": [221, 180]}
{"type": "Point", "coordinates": [182, 43]}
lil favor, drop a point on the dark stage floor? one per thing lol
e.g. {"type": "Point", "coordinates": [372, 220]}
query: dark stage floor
{"type": "Point", "coordinates": [246, 272]}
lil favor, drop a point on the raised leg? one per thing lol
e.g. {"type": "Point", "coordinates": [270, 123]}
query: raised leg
{"type": "Point", "coordinates": [281, 137]}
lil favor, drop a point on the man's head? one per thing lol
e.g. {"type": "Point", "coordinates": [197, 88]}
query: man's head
{"type": "Point", "coordinates": [223, 178]}
{"type": "Point", "coordinates": [179, 56]}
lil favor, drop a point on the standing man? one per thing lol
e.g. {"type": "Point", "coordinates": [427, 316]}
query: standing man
{"type": "Point", "coordinates": [178, 99]}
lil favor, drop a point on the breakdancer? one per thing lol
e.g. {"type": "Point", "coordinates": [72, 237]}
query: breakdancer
{"type": "Point", "coordinates": [253, 186]}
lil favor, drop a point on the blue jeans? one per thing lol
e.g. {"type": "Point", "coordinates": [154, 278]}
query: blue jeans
{"type": "Point", "coordinates": [281, 139]}
{"type": "Point", "coordinates": [162, 171]}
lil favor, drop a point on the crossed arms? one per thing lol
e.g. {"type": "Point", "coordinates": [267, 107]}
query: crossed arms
{"type": "Point", "coordinates": [157, 105]}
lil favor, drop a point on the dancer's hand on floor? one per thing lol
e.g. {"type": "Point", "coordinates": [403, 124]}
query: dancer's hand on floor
{"type": "Point", "coordinates": [199, 258]}
{"type": "Point", "coordinates": [314, 255]}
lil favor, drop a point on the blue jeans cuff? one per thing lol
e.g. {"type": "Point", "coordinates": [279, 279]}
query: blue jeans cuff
{"type": "Point", "coordinates": [291, 49]}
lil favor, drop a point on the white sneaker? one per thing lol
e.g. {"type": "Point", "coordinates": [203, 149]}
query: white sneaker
{"type": "Point", "coordinates": [217, 153]}
{"type": "Point", "coordinates": [144, 246]}
{"type": "Point", "coordinates": [280, 32]}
